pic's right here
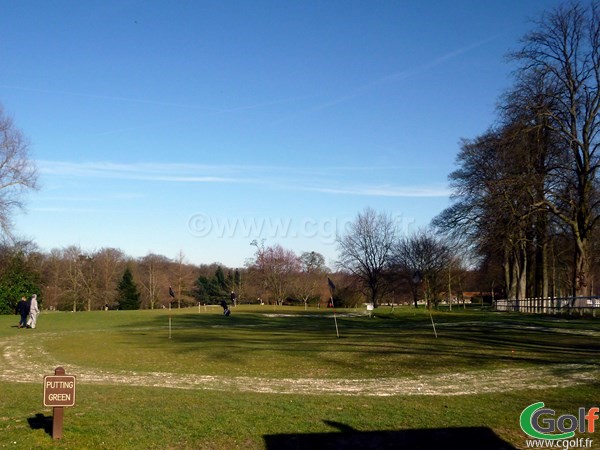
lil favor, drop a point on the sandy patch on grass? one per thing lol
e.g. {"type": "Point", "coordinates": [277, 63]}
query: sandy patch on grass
{"type": "Point", "coordinates": [24, 363]}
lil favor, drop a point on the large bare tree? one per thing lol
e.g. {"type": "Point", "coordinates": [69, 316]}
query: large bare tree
{"type": "Point", "coordinates": [497, 203]}
{"type": "Point", "coordinates": [366, 251]}
{"type": "Point", "coordinates": [18, 173]}
{"type": "Point", "coordinates": [563, 54]}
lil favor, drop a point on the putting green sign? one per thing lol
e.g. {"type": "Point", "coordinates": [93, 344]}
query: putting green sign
{"type": "Point", "coordinates": [59, 390]}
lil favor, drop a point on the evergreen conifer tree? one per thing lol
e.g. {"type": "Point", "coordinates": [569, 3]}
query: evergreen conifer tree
{"type": "Point", "coordinates": [128, 295]}
{"type": "Point", "coordinates": [17, 279]}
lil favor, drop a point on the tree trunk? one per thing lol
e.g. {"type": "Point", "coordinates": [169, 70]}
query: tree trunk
{"type": "Point", "coordinates": [513, 277]}
{"type": "Point", "coordinates": [449, 287]}
{"type": "Point", "coordinates": [511, 292]}
{"type": "Point", "coordinates": [374, 297]}
{"type": "Point", "coordinates": [581, 284]}
{"type": "Point", "coordinates": [521, 272]}
{"type": "Point", "coordinates": [545, 277]}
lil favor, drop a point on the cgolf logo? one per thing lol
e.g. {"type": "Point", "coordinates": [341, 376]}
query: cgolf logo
{"type": "Point", "coordinates": [540, 423]}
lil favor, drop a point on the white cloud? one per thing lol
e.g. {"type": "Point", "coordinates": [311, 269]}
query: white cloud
{"type": "Point", "coordinates": [389, 191]}
{"type": "Point", "coordinates": [331, 180]}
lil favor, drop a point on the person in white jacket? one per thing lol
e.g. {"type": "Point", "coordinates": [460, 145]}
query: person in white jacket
{"type": "Point", "coordinates": [34, 310]}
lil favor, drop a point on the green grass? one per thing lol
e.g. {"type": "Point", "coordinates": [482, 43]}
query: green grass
{"type": "Point", "coordinates": [287, 343]}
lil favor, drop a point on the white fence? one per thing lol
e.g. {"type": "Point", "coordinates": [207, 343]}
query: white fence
{"type": "Point", "coordinates": [569, 305]}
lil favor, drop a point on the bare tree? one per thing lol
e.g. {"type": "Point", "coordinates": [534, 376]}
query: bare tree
{"type": "Point", "coordinates": [17, 172]}
{"type": "Point", "coordinates": [89, 280]}
{"type": "Point", "coordinates": [275, 266]}
{"type": "Point", "coordinates": [150, 267]}
{"type": "Point", "coordinates": [109, 264]}
{"type": "Point", "coordinates": [53, 277]}
{"type": "Point", "coordinates": [564, 53]}
{"type": "Point", "coordinates": [497, 204]}
{"type": "Point", "coordinates": [422, 258]}
{"type": "Point", "coordinates": [177, 273]}
{"type": "Point", "coordinates": [311, 276]}
{"type": "Point", "coordinates": [366, 251]}
{"type": "Point", "coordinates": [183, 277]}
{"type": "Point", "coordinates": [74, 288]}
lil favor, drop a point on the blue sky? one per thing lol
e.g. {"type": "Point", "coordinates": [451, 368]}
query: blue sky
{"type": "Point", "coordinates": [198, 126]}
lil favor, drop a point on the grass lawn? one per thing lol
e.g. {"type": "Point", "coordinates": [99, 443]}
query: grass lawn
{"type": "Point", "coordinates": [280, 378]}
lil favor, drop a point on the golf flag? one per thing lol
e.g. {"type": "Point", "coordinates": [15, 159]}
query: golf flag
{"type": "Point", "coordinates": [171, 293]}
{"type": "Point", "coordinates": [331, 285]}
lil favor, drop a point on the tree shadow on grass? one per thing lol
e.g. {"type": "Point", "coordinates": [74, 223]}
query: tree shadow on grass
{"type": "Point", "coordinates": [41, 422]}
{"type": "Point", "coordinates": [505, 340]}
{"type": "Point", "coordinates": [464, 438]}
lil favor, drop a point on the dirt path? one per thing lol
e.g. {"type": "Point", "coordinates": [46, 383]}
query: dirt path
{"type": "Point", "coordinates": [24, 363]}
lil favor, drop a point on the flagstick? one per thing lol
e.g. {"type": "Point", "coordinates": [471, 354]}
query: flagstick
{"type": "Point", "coordinates": [332, 291]}
{"type": "Point", "coordinates": [337, 332]}
{"type": "Point", "coordinates": [172, 295]}
{"type": "Point", "coordinates": [433, 324]}
{"type": "Point", "coordinates": [417, 279]}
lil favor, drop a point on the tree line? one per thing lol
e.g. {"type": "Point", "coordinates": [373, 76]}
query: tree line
{"type": "Point", "coordinates": [72, 279]}
{"type": "Point", "coordinates": [76, 280]}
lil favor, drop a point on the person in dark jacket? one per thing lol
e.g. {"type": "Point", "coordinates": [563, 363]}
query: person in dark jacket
{"type": "Point", "coordinates": [23, 310]}
{"type": "Point", "coordinates": [226, 310]}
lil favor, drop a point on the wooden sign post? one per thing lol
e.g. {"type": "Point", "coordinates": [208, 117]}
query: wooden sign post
{"type": "Point", "coordinates": [59, 392]}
